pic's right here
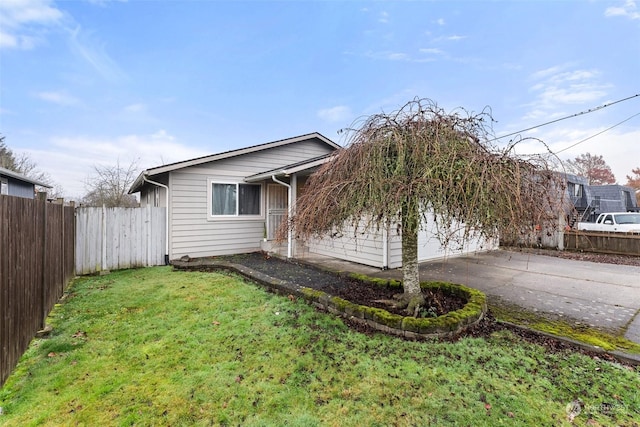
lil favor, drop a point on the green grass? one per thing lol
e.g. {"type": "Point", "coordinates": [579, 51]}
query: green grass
{"type": "Point", "coordinates": [158, 347]}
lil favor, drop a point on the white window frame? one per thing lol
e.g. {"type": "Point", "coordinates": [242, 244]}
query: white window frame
{"type": "Point", "coordinates": [211, 216]}
{"type": "Point", "coordinates": [4, 186]}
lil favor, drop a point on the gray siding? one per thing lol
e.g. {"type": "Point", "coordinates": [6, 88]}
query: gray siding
{"type": "Point", "coordinates": [430, 248]}
{"type": "Point", "coordinates": [193, 232]}
{"type": "Point", "coordinates": [367, 248]}
{"type": "Point", "coordinates": [20, 188]}
{"type": "Point", "coordinates": [613, 197]}
{"type": "Point", "coordinates": [148, 195]}
{"type": "Point", "coordinates": [362, 248]}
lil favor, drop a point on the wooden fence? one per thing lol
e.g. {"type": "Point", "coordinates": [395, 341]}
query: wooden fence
{"type": "Point", "coordinates": [118, 238]}
{"type": "Point", "coordinates": [36, 264]}
{"type": "Point", "coordinates": [602, 242]}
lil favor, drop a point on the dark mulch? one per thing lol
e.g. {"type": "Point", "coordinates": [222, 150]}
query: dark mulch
{"type": "Point", "coordinates": [370, 295]}
{"type": "Point", "coordinates": [355, 291]}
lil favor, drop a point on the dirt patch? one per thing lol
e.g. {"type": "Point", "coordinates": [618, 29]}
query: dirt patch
{"type": "Point", "coordinates": [584, 256]}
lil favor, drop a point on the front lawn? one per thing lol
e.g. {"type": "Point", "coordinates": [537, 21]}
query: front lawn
{"type": "Point", "coordinates": [160, 347]}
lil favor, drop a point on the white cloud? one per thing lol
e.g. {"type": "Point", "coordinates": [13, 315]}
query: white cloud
{"type": "Point", "coordinates": [432, 51]}
{"type": "Point", "coordinates": [60, 98]}
{"type": "Point", "coordinates": [557, 87]}
{"type": "Point", "coordinates": [618, 148]}
{"type": "Point", "coordinates": [452, 38]}
{"type": "Point", "coordinates": [541, 74]}
{"type": "Point", "coordinates": [402, 56]}
{"type": "Point", "coordinates": [440, 21]}
{"type": "Point", "coordinates": [135, 108]}
{"type": "Point", "coordinates": [629, 10]}
{"type": "Point", "coordinates": [23, 22]}
{"type": "Point", "coordinates": [339, 113]}
{"type": "Point", "coordinates": [383, 17]}
{"type": "Point", "coordinates": [69, 160]}
{"type": "Point", "coordinates": [105, 2]}
{"type": "Point", "coordinates": [95, 54]}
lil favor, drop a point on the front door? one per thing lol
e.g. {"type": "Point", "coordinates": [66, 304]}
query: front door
{"type": "Point", "coordinates": [277, 205]}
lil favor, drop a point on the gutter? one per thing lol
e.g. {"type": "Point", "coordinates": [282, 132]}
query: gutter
{"type": "Point", "coordinates": [289, 212]}
{"type": "Point", "coordinates": [166, 223]}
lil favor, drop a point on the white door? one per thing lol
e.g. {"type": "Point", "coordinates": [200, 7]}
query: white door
{"type": "Point", "coordinates": [277, 205]}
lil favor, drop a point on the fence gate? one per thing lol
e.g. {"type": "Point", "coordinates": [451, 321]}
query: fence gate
{"type": "Point", "coordinates": [118, 238]}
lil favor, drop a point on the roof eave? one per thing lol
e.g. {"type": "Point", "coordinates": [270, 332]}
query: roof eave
{"type": "Point", "coordinates": [20, 177]}
{"type": "Point", "coordinates": [288, 170]}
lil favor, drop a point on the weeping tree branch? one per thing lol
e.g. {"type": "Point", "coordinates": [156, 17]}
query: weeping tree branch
{"type": "Point", "coordinates": [421, 161]}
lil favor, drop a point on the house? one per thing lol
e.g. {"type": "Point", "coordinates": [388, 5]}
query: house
{"type": "Point", "coordinates": [589, 201]}
{"type": "Point", "coordinates": [613, 198]}
{"type": "Point", "coordinates": [15, 184]}
{"type": "Point", "coordinates": [233, 202]}
{"type": "Point", "coordinates": [230, 202]}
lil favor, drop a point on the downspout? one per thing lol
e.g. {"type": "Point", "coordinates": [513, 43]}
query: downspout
{"type": "Point", "coordinates": [289, 211]}
{"type": "Point", "coordinates": [385, 247]}
{"type": "Point", "coordinates": [166, 223]}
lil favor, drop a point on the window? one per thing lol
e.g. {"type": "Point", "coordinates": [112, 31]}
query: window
{"type": "Point", "coordinates": [575, 190]}
{"type": "Point", "coordinates": [4, 186]}
{"type": "Point", "coordinates": [235, 199]}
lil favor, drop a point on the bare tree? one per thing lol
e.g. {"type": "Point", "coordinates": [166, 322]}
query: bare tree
{"type": "Point", "coordinates": [592, 167]}
{"type": "Point", "coordinates": [24, 165]}
{"type": "Point", "coordinates": [634, 182]}
{"type": "Point", "coordinates": [108, 186]}
{"type": "Point", "coordinates": [421, 161]}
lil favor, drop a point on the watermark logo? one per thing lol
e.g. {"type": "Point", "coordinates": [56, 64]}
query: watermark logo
{"type": "Point", "coordinates": [577, 406]}
{"type": "Point", "coordinates": [573, 409]}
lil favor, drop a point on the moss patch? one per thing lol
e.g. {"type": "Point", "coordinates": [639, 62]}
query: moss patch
{"type": "Point", "coordinates": [546, 323]}
{"type": "Point", "coordinates": [452, 322]}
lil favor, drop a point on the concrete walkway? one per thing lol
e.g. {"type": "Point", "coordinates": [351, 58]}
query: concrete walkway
{"type": "Point", "coordinates": [601, 295]}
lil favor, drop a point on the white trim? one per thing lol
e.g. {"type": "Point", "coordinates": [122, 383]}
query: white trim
{"type": "Point", "coordinates": [236, 216]}
{"type": "Point", "coordinates": [156, 195]}
{"type": "Point", "coordinates": [290, 211]}
{"type": "Point", "coordinates": [135, 187]}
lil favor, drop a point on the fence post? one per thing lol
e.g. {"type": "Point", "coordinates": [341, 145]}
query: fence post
{"type": "Point", "coordinates": [103, 267]}
{"type": "Point", "coordinates": [42, 198]}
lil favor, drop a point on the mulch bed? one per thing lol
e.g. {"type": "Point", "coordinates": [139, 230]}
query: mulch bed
{"type": "Point", "coordinates": [370, 295]}
{"type": "Point", "coordinates": [349, 289]}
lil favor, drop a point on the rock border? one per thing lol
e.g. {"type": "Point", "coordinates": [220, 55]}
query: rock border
{"type": "Point", "coordinates": [448, 325]}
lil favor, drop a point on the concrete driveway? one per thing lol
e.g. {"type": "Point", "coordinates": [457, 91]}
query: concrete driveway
{"type": "Point", "coordinates": [600, 295]}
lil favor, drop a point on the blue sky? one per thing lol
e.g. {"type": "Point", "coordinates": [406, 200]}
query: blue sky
{"type": "Point", "coordinates": [96, 82]}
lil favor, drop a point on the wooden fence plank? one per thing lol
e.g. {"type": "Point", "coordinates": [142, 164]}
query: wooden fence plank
{"type": "Point", "coordinates": [119, 238]}
{"type": "Point", "coordinates": [36, 264]}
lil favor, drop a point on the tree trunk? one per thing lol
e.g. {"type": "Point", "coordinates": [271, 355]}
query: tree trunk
{"type": "Point", "coordinates": [412, 296]}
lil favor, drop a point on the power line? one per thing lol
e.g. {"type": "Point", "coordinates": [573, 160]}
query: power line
{"type": "Point", "coordinates": [591, 110]}
{"type": "Point", "coordinates": [599, 133]}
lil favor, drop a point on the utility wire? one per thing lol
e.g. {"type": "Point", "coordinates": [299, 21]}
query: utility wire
{"type": "Point", "coordinates": [591, 110]}
{"type": "Point", "coordinates": [599, 133]}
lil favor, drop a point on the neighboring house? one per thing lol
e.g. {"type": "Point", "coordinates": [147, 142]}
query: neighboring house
{"type": "Point", "coordinates": [589, 201]}
{"type": "Point", "coordinates": [15, 184]}
{"type": "Point", "coordinates": [612, 198]}
{"type": "Point", "coordinates": [233, 202]}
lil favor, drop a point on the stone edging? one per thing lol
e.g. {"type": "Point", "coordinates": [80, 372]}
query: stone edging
{"type": "Point", "coordinates": [447, 325]}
